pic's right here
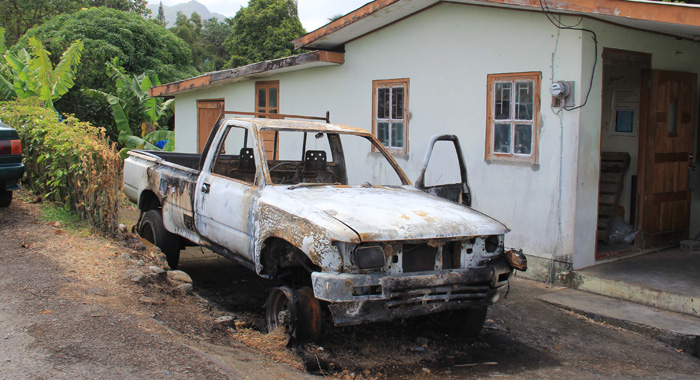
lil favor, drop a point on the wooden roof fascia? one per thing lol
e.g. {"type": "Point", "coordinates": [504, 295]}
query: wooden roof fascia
{"type": "Point", "coordinates": [662, 12]}
{"type": "Point", "coordinates": [350, 18]}
{"type": "Point", "coordinates": [639, 10]}
{"type": "Point", "coordinates": [243, 72]}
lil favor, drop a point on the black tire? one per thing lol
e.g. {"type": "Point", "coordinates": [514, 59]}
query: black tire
{"type": "Point", "coordinates": [5, 198]}
{"type": "Point", "coordinates": [153, 230]}
{"type": "Point", "coordinates": [466, 323]}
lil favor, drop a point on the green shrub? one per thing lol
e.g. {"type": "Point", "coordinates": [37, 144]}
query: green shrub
{"type": "Point", "coordinates": [70, 162]}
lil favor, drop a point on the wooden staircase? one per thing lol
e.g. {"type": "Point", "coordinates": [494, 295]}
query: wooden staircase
{"type": "Point", "coordinates": [613, 166]}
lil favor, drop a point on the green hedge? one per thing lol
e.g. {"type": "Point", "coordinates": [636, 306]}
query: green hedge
{"type": "Point", "coordinates": [69, 162]}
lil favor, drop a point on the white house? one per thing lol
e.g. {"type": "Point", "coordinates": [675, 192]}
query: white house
{"type": "Point", "coordinates": [483, 70]}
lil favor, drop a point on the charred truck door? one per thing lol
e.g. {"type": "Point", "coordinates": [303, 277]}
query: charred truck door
{"type": "Point", "coordinates": [456, 192]}
{"type": "Point", "coordinates": [226, 192]}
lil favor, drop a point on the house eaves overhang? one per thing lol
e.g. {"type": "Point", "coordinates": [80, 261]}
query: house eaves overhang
{"type": "Point", "coordinates": [680, 20]}
{"type": "Point", "coordinates": [252, 71]}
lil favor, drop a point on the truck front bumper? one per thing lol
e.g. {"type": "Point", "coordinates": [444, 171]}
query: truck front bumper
{"type": "Point", "coordinates": [372, 297]}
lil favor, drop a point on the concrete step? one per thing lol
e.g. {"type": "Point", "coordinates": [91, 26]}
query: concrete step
{"type": "Point", "coordinates": [642, 289]}
{"type": "Point", "coordinates": [677, 330]}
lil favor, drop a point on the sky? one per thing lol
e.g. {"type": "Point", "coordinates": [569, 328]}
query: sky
{"type": "Point", "coordinates": [312, 13]}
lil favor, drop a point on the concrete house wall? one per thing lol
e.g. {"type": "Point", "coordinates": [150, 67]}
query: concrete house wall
{"type": "Point", "coordinates": [447, 51]}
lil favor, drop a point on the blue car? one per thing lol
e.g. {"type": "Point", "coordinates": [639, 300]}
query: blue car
{"type": "Point", "coordinates": [11, 166]}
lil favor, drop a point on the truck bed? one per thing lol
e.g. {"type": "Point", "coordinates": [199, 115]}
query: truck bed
{"type": "Point", "coordinates": [188, 160]}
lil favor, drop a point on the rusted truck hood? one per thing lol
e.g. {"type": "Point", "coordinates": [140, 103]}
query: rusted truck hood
{"type": "Point", "coordinates": [380, 213]}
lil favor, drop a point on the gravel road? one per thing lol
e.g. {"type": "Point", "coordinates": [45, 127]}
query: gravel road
{"type": "Point", "coordinates": [69, 312]}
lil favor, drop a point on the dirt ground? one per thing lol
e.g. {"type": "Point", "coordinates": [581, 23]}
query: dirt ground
{"type": "Point", "coordinates": [68, 311]}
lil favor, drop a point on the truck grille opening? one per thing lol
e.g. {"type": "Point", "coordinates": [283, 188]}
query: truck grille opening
{"type": "Point", "coordinates": [422, 257]}
{"type": "Point", "coordinates": [418, 257]}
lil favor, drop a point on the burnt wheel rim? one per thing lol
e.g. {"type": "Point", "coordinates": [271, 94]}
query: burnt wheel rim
{"type": "Point", "coordinates": [280, 312]}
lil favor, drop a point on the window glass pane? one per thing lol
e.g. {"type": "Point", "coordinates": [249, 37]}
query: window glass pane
{"type": "Point", "coordinates": [273, 97]}
{"type": "Point", "coordinates": [397, 134]}
{"type": "Point", "coordinates": [502, 95]}
{"type": "Point", "coordinates": [524, 100]}
{"type": "Point", "coordinates": [383, 103]}
{"type": "Point", "coordinates": [262, 97]}
{"type": "Point", "coordinates": [383, 132]}
{"type": "Point", "coordinates": [501, 138]}
{"type": "Point", "coordinates": [523, 139]}
{"type": "Point", "coordinates": [397, 103]}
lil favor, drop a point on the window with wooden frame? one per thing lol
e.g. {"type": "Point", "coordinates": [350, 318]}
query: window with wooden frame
{"type": "Point", "coordinates": [390, 113]}
{"type": "Point", "coordinates": [513, 113]}
{"type": "Point", "coordinates": [267, 96]}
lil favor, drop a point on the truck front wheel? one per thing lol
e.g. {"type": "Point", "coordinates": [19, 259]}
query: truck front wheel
{"type": "Point", "coordinates": [153, 230]}
{"type": "Point", "coordinates": [297, 312]}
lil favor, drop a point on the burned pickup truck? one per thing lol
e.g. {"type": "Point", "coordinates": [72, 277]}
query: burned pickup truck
{"type": "Point", "coordinates": [355, 239]}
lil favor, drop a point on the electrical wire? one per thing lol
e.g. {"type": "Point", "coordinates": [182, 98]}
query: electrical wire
{"type": "Point", "coordinates": [560, 25]}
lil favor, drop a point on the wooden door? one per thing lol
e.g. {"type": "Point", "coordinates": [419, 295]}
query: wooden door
{"type": "Point", "coordinates": [208, 112]}
{"type": "Point", "coordinates": [666, 147]}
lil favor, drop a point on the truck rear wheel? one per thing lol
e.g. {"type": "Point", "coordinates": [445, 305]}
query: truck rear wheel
{"type": "Point", "coordinates": [153, 230]}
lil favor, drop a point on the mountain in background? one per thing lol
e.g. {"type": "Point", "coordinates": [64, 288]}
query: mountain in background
{"type": "Point", "coordinates": [185, 8]}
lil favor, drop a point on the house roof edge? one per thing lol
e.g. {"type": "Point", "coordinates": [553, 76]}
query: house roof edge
{"type": "Point", "coordinates": [291, 63]}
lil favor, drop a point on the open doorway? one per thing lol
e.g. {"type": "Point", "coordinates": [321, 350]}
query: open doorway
{"type": "Point", "coordinates": [647, 141]}
{"type": "Point", "coordinates": [622, 114]}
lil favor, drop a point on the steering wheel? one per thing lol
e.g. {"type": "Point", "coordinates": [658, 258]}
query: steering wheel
{"type": "Point", "coordinates": [297, 172]}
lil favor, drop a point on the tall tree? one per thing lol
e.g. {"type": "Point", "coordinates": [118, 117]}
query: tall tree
{"type": "Point", "coordinates": [214, 33]}
{"type": "Point", "coordinates": [161, 15]}
{"type": "Point", "coordinates": [205, 38]}
{"type": "Point", "coordinates": [125, 38]}
{"type": "Point", "coordinates": [263, 30]}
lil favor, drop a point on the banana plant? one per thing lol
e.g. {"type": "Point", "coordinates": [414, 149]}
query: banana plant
{"type": "Point", "coordinates": [31, 74]}
{"type": "Point", "coordinates": [135, 113]}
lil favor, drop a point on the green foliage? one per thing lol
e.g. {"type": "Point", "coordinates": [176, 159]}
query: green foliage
{"type": "Point", "coordinates": [205, 38]}
{"type": "Point", "coordinates": [17, 16]}
{"type": "Point", "coordinates": [33, 75]}
{"type": "Point", "coordinates": [139, 7]}
{"type": "Point", "coordinates": [3, 47]}
{"type": "Point", "coordinates": [263, 30]}
{"type": "Point", "coordinates": [136, 44]}
{"type": "Point", "coordinates": [136, 114]}
{"type": "Point", "coordinates": [68, 219]}
{"type": "Point", "coordinates": [70, 162]}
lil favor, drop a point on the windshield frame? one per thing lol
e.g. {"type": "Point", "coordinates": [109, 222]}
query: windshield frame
{"type": "Point", "coordinates": [337, 151]}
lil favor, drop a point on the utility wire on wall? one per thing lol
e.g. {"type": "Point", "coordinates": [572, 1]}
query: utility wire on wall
{"type": "Point", "coordinates": [560, 25]}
